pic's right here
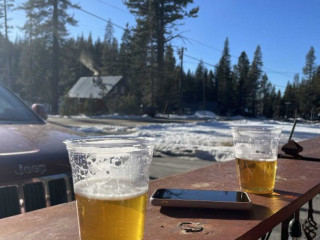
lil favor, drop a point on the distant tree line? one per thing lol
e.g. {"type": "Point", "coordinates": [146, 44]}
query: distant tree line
{"type": "Point", "coordinates": [44, 64]}
{"type": "Point", "coordinates": [302, 96]}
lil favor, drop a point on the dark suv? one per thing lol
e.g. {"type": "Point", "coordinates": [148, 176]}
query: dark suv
{"type": "Point", "coordinates": [34, 165]}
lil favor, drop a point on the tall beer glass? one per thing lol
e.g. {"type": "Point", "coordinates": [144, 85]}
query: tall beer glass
{"type": "Point", "coordinates": [256, 150]}
{"type": "Point", "coordinates": [110, 176]}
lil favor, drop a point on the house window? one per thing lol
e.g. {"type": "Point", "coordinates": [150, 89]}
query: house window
{"type": "Point", "coordinates": [123, 90]}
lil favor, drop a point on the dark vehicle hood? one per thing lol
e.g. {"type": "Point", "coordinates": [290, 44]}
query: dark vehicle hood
{"type": "Point", "coordinates": [33, 150]}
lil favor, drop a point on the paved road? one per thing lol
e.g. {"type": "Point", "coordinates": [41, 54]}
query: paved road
{"type": "Point", "coordinates": [166, 166]}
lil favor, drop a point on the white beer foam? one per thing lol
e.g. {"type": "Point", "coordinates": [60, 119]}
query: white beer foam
{"type": "Point", "coordinates": [106, 189]}
{"type": "Point", "coordinates": [258, 152]}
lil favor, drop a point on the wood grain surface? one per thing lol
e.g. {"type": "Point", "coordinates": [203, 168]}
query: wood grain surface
{"type": "Point", "coordinates": [297, 181]}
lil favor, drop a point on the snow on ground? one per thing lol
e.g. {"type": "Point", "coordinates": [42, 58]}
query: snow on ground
{"type": "Point", "coordinates": [206, 140]}
{"type": "Point", "coordinates": [212, 140]}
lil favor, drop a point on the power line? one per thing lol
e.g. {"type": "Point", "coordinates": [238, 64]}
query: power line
{"type": "Point", "coordinates": [193, 63]}
{"type": "Point", "coordinates": [203, 44]}
{"type": "Point", "coordinates": [277, 85]}
{"type": "Point", "coordinates": [96, 16]}
{"type": "Point", "coordinates": [214, 66]}
{"type": "Point", "coordinates": [103, 19]}
{"type": "Point", "coordinates": [209, 64]}
{"type": "Point", "coordinates": [191, 39]}
{"type": "Point", "coordinates": [269, 70]}
{"type": "Point", "coordinates": [186, 55]}
{"type": "Point", "coordinates": [113, 6]}
{"type": "Point", "coordinates": [283, 73]}
{"type": "Point", "coordinates": [280, 86]}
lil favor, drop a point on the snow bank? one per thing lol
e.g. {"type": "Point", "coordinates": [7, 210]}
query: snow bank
{"type": "Point", "coordinates": [207, 140]}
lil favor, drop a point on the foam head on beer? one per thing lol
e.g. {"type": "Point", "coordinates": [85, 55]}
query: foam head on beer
{"type": "Point", "coordinates": [111, 178]}
{"type": "Point", "coordinates": [256, 150]}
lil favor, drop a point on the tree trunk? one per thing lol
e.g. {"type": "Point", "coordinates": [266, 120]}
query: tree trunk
{"type": "Point", "coordinates": [55, 60]}
{"type": "Point", "coordinates": [160, 43]}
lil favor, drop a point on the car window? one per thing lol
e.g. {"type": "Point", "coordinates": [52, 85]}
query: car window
{"type": "Point", "coordinates": [13, 110]}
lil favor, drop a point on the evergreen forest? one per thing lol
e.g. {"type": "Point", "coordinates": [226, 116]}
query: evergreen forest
{"type": "Point", "coordinates": [43, 65]}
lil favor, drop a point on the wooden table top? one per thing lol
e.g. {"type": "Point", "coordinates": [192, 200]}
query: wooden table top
{"type": "Point", "coordinates": [311, 150]}
{"type": "Point", "coordinates": [296, 182]}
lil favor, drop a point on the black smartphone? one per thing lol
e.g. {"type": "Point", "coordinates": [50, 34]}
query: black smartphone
{"type": "Point", "coordinates": [201, 199]}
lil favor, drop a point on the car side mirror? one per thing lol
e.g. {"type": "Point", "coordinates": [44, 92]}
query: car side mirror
{"type": "Point", "coordinates": [40, 110]}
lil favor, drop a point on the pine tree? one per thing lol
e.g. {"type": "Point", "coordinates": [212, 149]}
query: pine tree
{"type": "Point", "coordinates": [265, 97]}
{"type": "Point", "coordinates": [5, 7]}
{"type": "Point", "coordinates": [205, 83]}
{"type": "Point", "coordinates": [293, 94]}
{"type": "Point", "coordinates": [211, 87]}
{"type": "Point", "coordinates": [70, 65]}
{"type": "Point", "coordinates": [276, 103]}
{"type": "Point", "coordinates": [310, 67]}
{"type": "Point", "coordinates": [289, 100]}
{"type": "Point", "coordinates": [125, 53]}
{"type": "Point", "coordinates": [156, 20]}
{"type": "Point", "coordinates": [141, 68]}
{"type": "Point", "coordinates": [314, 93]}
{"type": "Point", "coordinates": [168, 89]}
{"type": "Point", "coordinates": [2, 58]}
{"type": "Point", "coordinates": [51, 18]}
{"type": "Point", "coordinates": [296, 80]}
{"type": "Point", "coordinates": [201, 77]}
{"type": "Point", "coordinates": [6, 71]}
{"type": "Point", "coordinates": [224, 82]}
{"type": "Point", "coordinates": [254, 80]}
{"type": "Point", "coordinates": [110, 55]}
{"type": "Point", "coordinates": [241, 70]}
{"type": "Point", "coordinates": [15, 53]}
{"type": "Point", "coordinates": [34, 65]}
{"type": "Point", "coordinates": [308, 71]}
{"type": "Point", "coordinates": [189, 90]}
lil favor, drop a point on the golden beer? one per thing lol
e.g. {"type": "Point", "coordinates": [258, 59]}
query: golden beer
{"type": "Point", "coordinates": [257, 176]}
{"type": "Point", "coordinates": [104, 215]}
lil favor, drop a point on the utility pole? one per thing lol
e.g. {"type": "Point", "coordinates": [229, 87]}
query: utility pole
{"type": "Point", "coordinates": [180, 83]}
{"type": "Point", "coordinates": [55, 59]}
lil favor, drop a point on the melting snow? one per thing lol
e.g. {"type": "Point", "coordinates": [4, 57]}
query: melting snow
{"type": "Point", "coordinates": [207, 140]}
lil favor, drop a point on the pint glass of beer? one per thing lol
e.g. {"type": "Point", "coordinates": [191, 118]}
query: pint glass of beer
{"type": "Point", "coordinates": [256, 150]}
{"type": "Point", "coordinates": [110, 177]}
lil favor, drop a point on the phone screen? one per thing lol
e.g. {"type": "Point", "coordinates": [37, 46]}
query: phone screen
{"type": "Point", "coordinates": [201, 195]}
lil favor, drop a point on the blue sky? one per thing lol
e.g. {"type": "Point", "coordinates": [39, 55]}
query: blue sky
{"type": "Point", "coordinates": [285, 30]}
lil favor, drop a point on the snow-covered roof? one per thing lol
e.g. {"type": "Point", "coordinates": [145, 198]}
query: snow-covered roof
{"type": "Point", "coordinates": [86, 87]}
